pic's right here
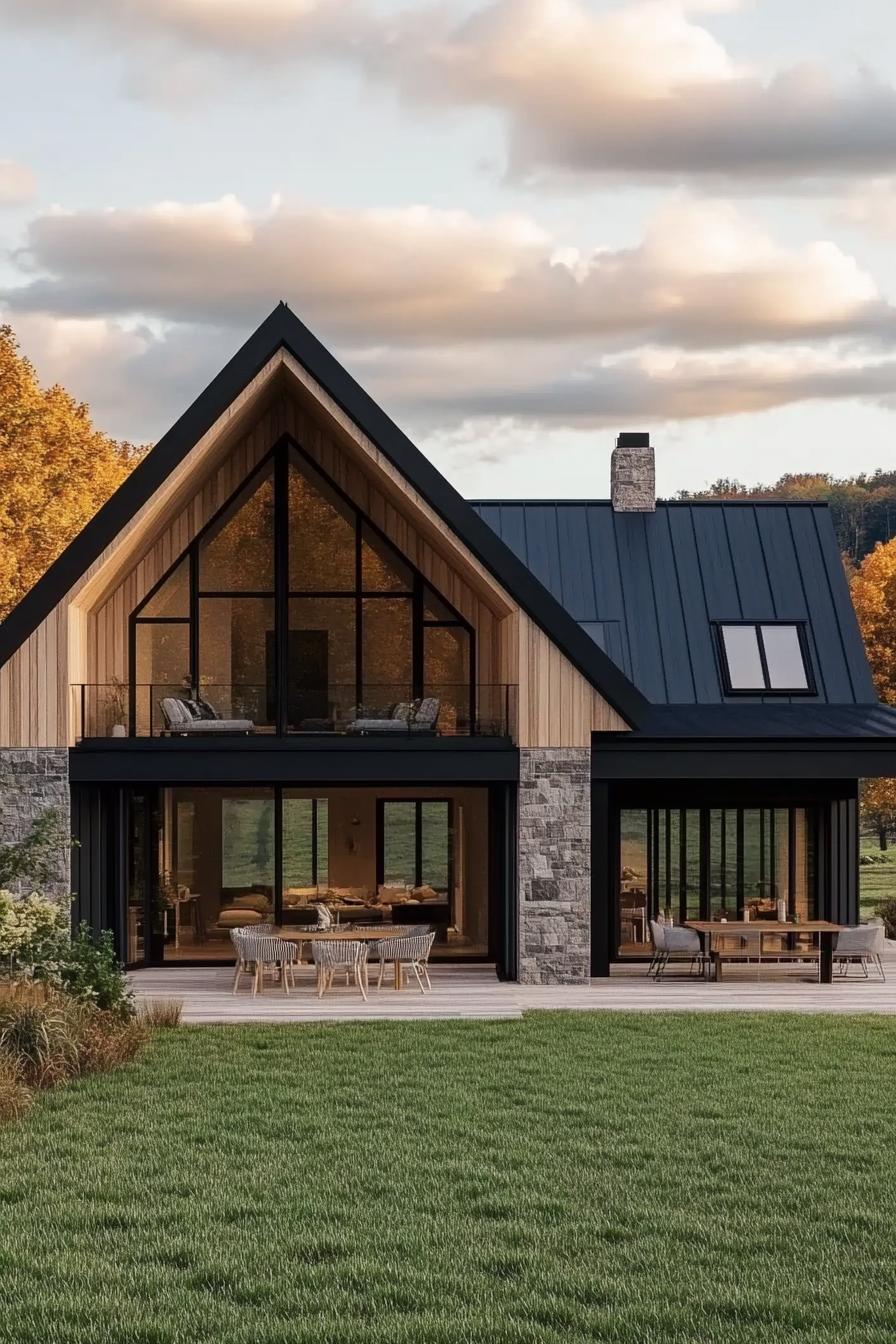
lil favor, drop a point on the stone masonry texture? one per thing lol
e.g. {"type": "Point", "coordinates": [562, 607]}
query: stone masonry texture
{"type": "Point", "coordinates": [555, 865]}
{"type": "Point", "coordinates": [633, 480]}
{"type": "Point", "coordinates": [33, 780]}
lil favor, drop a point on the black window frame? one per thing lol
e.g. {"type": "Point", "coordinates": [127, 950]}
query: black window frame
{"type": "Point", "coordinates": [809, 689]}
{"type": "Point", "coordinates": [278, 460]}
{"type": "Point", "coordinates": [417, 803]}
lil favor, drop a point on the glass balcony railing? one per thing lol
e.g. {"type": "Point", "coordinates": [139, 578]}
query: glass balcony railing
{"type": "Point", "coordinates": [378, 711]}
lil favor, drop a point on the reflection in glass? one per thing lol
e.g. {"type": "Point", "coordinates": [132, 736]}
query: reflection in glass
{"type": "Point", "coordinates": [237, 657]}
{"type": "Point", "coordinates": [162, 668]}
{"type": "Point", "coordinates": [759, 864]}
{"type": "Point", "coordinates": [382, 571]}
{"type": "Point", "coordinates": [173, 597]}
{"type": "Point", "coordinates": [238, 556]}
{"type": "Point", "coordinates": [446, 674]}
{"type": "Point", "coordinates": [321, 537]}
{"type": "Point", "coordinates": [387, 654]}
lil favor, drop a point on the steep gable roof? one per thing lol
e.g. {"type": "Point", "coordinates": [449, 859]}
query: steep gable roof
{"type": "Point", "coordinates": [649, 586]}
{"type": "Point", "coordinates": [283, 330]}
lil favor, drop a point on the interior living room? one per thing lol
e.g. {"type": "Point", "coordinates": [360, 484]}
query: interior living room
{"type": "Point", "coordinates": [206, 860]}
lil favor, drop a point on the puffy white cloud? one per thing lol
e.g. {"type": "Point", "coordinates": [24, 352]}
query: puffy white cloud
{"type": "Point", "coordinates": [643, 88]}
{"type": "Point", "coordinates": [16, 183]}
{"type": "Point", "coordinates": [703, 275]}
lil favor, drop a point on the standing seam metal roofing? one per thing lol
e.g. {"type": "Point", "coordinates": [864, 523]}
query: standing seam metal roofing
{"type": "Point", "coordinates": [647, 587]}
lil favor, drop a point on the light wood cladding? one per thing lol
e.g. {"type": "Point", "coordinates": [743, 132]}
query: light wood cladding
{"type": "Point", "coordinates": [85, 639]}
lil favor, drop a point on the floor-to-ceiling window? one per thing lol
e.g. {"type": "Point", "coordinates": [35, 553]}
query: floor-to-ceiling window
{"type": "Point", "coordinates": [712, 863]}
{"type": "Point", "coordinates": [292, 612]}
{"type": "Point", "coordinates": [207, 859]}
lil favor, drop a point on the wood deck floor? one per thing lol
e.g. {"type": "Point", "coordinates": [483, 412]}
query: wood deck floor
{"type": "Point", "coordinates": [475, 992]}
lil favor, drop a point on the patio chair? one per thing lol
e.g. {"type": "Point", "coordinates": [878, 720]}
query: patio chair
{"type": "Point", "coordinates": [673, 943]}
{"type": "Point", "coordinates": [259, 950]}
{"type": "Point", "coordinates": [862, 943]}
{"type": "Point", "coordinates": [332, 955]}
{"type": "Point", "coordinates": [409, 950]}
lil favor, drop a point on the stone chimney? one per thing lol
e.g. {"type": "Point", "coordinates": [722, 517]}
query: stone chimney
{"type": "Point", "coordinates": [633, 474]}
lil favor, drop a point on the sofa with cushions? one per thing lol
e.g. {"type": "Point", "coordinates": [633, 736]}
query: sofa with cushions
{"type": "Point", "coordinates": [197, 718]}
{"type": "Point", "coordinates": [418, 717]}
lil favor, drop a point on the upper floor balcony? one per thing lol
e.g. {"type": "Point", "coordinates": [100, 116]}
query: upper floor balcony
{"type": "Point", "coordinates": [392, 711]}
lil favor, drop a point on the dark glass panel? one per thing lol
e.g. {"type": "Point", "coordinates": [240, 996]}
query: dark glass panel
{"type": "Point", "coordinates": [387, 651]}
{"type": "Point", "coordinates": [382, 569]}
{"type": "Point", "coordinates": [173, 597]}
{"type": "Point", "coordinates": [162, 668]}
{"type": "Point", "coordinates": [321, 683]}
{"type": "Point", "coordinates": [434, 609]}
{"type": "Point", "coordinates": [239, 555]}
{"type": "Point", "coordinates": [321, 537]}
{"type": "Point", "coordinates": [446, 675]}
{"type": "Point", "coordinates": [237, 657]}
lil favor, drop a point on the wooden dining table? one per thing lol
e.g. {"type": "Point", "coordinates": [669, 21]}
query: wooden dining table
{"type": "Point", "coordinates": [738, 928]}
{"type": "Point", "coordinates": [309, 933]}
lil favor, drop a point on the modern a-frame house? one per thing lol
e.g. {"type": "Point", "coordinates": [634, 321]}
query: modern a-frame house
{"type": "Point", "coordinates": [287, 661]}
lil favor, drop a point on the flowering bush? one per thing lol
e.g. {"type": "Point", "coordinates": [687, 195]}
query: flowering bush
{"type": "Point", "coordinates": [36, 943]}
{"type": "Point", "coordinates": [33, 933]}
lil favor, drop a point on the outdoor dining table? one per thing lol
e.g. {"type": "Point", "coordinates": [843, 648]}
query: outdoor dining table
{"type": "Point", "coordinates": [309, 933]}
{"type": "Point", "coordinates": [709, 928]}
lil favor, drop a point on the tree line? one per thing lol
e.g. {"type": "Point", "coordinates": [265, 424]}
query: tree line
{"type": "Point", "coordinates": [863, 507]}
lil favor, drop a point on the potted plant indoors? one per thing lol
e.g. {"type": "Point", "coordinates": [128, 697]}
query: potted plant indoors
{"type": "Point", "coordinates": [117, 706]}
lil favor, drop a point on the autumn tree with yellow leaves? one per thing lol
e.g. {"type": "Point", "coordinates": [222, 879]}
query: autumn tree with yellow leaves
{"type": "Point", "coordinates": [56, 470]}
{"type": "Point", "coordinates": [873, 588]}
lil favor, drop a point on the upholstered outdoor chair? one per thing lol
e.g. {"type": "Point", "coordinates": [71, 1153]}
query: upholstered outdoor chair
{"type": "Point", "coordinates": [262, 950]}
{"type": "Point", "coordinates": [332, 955]}
{"type": "Point", "coordinates": [673, 943]}
{"type": "Point", "coordinates": [862, 945]}
{"type": "Point", "coordinates": [409, 950]}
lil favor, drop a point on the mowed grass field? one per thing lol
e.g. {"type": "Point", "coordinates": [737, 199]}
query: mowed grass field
{"type": "Point", "coordinates": [564, 1178]}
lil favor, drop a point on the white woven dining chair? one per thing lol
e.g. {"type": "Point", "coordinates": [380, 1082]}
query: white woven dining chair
{"type": "Point", "coordinates": [259, 951]}
{"type": "Point", "coordinates": [334, 954]}
{"type": "Point", "coordinates": [408, 950]}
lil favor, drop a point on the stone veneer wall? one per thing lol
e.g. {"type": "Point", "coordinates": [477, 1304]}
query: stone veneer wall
{"type": "Point", "coordinates": [555, 865]}
{"type": "Point", "coordinates": [33, 780]}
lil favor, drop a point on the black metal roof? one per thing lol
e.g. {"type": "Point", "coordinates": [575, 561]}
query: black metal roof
{"type": "Point", "coordinates": [647, 587]}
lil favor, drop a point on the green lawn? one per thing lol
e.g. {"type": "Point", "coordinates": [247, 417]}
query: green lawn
{"type": "Point", "coordinates": [876, 881]}
{"type": "Point", "coordinates": [572, 1177]}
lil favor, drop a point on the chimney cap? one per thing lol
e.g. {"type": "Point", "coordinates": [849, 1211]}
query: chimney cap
{"type": "Point", "coordinates": [633, 438]}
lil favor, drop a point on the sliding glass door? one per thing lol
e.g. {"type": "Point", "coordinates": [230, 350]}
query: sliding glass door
{"type": "Point", "coordinates": [712, 863]}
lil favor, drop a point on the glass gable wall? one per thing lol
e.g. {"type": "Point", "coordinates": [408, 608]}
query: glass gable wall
{"type": "Point", "coordinates": [291, 612]}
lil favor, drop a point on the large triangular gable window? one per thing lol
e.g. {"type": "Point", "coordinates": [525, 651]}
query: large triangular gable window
{"type": "Point", "coordinates": [292, 612]}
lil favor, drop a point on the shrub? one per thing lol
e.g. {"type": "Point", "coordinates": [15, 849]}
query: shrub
{"type": "Point", "coordinates": [15, 1096]}
{"type": "Point", "coordinates": [108, 1040]}
{"type": "Point", "coordinates": [48, 1037]}
{"type": "Point", "coordinates": [40, 1031]}
{"type": "Point", "coordinates": [89, 969]}
{"type": "Point", "coordinates": [34, 932]}
{"type": "Point", "coordinates": [887, 911]}
{"type": "Point", "coordinates": [161, 1013]}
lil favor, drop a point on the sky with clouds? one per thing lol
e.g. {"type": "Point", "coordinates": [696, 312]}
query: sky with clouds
{"type": "Point", "coordinates": [523, 224]}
